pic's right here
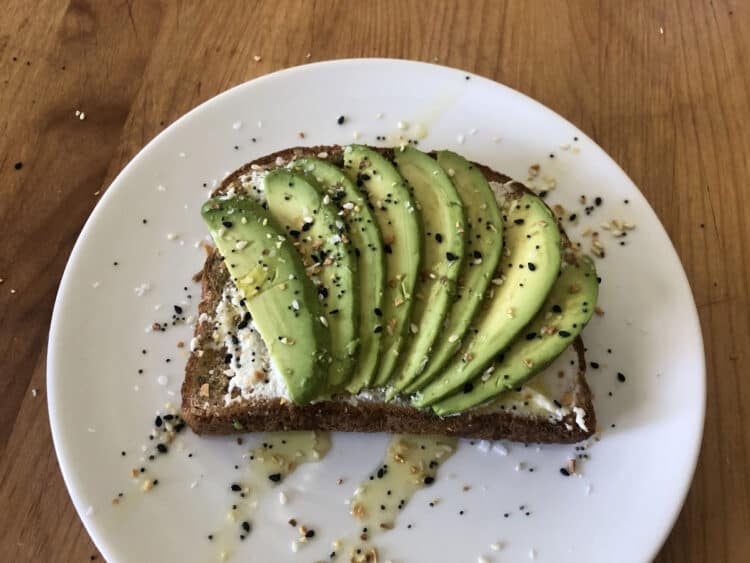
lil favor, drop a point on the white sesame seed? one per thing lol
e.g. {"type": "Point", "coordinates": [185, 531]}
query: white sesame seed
{"type": "Point", "coordinates": [452, 338]}
{"type": "Point", "coordinates": [89, 511]}
{"type": "Point", "coordinates": [323, 321]}
{"type": "Point", "coordinates": [482, 559]}
{"type": "Point", "coordinates": [171, 236]}
{"type": "Point", "coordinates": [403, 125]}
{"type": "Point", "coordinates": [500, 449]}
{"type": "Point", "coordinates": [472, 131]}
{"type": "Point", "coordinates": [379, 115]}
{"type": "Point", "coordinates": [295, 546]}
{"type": "Point", "coordinates": [460, 139]}
{"type": "Point", "coordinates": [260, 124]}
{"type": "Point", "coordinates": [241, 244]}
{"type": "Point", "coordinates": [162, 380]}
{"type": "Point", "coordinates": [237, 125]}
{"type": "Point", "coordinates": [161, 188]}
{"type": "Point", "coordinates": [355, 135]}
{"type": "Point", "coordinates": [532, 553]}
{"type": "Point", "coordinates": [141, 290]}
{"type": "Point", "coordinates": [497, 546]}
{"type": "Point", "coordinates": [95, 284]}
{"type": "Point", "coordinates": [34, 393]}
{"type": "Point", "coordinates": [283, 499]}
{"type": "Point", "coordinates": [414, 328]}
{"type": "Point", "coordinates": [257, 58]}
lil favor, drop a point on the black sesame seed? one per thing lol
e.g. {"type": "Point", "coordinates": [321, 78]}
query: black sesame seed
{"type": "Point", "coordinates": [531, 266]}
{"type": "Point", "coordinates": [227, 224]}
{"type": "Point", "coordinates": [563, 334]}
{"type": "Point", "coordinates": [310, 534]}
{"type": "Point", "coordinates": [162, 448]}
{"type": "Point", "coordinates": [18, 165]}
{"type": "Point", "coordinates": [246, 526]}
{"type": "Point", "coordinates": [275, 477]}
{"type": "Point", "coordinates": [450, 256]}
{"type": "Point", "coordinates": [341, 120]}
{"type": "Point", "coordinates": [598, 201]}
{"type": "Point", "coordinates": [157, 422]}
{"type": "Point", "coordinates": [531, 336]}
{"type": "Point", "coordinates": [429, 480]}
{"type": "Point", "coordinates": [565, 472]}
{"type": "Point", "coordinates": [438, 237]}
{"type": "Point", "coordinates": [594, 365]}
{"type": "Point", "coordinates": [620, 376]}
{"type": "Point", "coordinates": [518, 221]}
{"type": "Point", "coordinates": [378, 312]}
{"type": "Point", "coordinates": [468, 387]}
{"type": "Point", "coordinates": [235, 487]}
{"type": "Point", "coordinates": [556, 308]}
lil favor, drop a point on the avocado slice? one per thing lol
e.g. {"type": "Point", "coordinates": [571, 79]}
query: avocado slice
{"type": "Point", "coordinates": [270, 276]}
{"type": "Point", "coordinates": [527, 273]}
{"type": "Point", "coordinates": [368, 249]}
{"type": "Point", "coordinates": [397, 218]}
{"type": "Point", "coordinates": [484, 246]}
{"type": "Point", "coordinates": [569, 306]}
{"type": "Point", "coordinates": [444, 231]}
{"type": "Point", "coordinates": [321, 239]}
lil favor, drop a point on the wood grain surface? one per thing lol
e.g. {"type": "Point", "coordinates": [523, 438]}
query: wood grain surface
{"type": "Point", "coordinates": [661, 85]}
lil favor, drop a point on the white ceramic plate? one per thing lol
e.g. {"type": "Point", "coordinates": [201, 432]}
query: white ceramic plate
{"type": "Point", "coordinates": [631, 489]}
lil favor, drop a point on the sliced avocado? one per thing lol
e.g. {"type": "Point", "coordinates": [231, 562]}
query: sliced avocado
{"type": "Point", "coordinates": [527, 272]}
{"type": "Point", "coordinates": [566, 311]}
{"type": "Point", "coordinates": [269, 274]}
{"type": "Point", "coordinates": [320, 237]}
{"type": "Point", "coordinates": [398, 220]}
{"type": "Point", "coordinates": [444, 231]}
{"type": "Point", "coordinates": [484, 246]}
{"type": "Point", "coordinates": [368, 249]}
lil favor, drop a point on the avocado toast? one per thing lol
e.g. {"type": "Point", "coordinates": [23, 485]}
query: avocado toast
{"type": "Point", "coordinates": [501, 293]}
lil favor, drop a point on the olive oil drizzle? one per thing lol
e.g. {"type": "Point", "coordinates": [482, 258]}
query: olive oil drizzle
{"type": "Point", "coordinates": [411, 463]}
{"type": "Point", "coordinates": [275, 457]}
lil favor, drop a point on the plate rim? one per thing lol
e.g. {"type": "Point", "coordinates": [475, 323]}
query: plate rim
{"type": "Point", "coordinates": [66, 280]}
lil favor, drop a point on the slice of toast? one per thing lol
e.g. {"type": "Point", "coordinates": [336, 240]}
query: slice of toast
{"type": "Point", "coordinates": [554, 407]}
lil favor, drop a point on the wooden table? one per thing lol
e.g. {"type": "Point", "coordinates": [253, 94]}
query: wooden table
{"type": "Point", "coordinates": [662, 86]}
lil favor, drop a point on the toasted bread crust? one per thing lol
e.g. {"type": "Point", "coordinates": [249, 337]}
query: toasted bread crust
{"type": "Point", "coordinates": [205, 384]}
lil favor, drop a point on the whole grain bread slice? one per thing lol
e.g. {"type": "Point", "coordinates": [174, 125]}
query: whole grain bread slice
{"type": "Point", "coordinates": [206, 382]}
